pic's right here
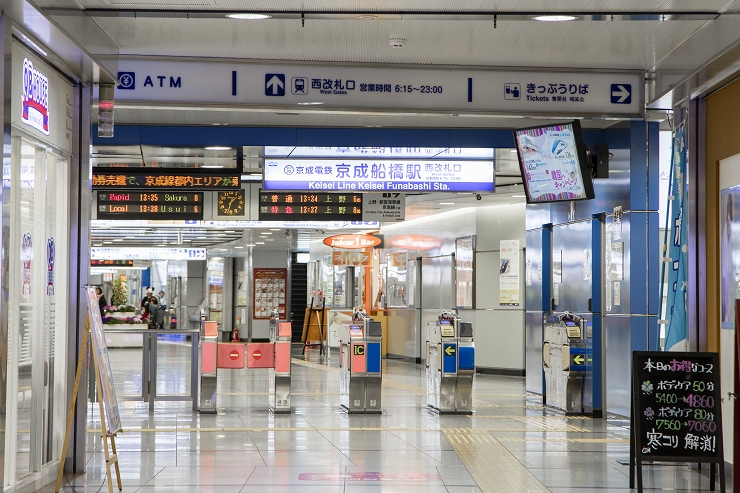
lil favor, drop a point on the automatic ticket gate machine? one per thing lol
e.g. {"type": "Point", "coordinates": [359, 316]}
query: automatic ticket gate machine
{"type": "Point", "coordinates": [360, 375]}
{"type": "Point", "coordinates": [280, 379]}
{"type": "Point", "coordinates": [450, 362]}
{"type": "Point", "coordinates": [566, 361]}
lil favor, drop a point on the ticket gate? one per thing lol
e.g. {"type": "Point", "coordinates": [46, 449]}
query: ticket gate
{"type": "Point", "coordinates": [280, 337]}
{"type": "Point", "coordinates": [360, 375]}
{"type": "Point", "coordinates": [450, 363]}
{"type": "Point", "coordinates": [565, 361]}
{"type": "Point", "coordinates": [209, 367]}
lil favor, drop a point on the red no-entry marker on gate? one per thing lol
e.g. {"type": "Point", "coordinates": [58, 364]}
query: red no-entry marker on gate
{"type": "Point", "coordinates": [257, 354]}
{"type": "Point", "coordinates": [234, 354]}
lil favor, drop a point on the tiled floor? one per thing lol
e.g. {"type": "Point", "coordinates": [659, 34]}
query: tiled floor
{"type": "Point", "coordinates": [510, 444]}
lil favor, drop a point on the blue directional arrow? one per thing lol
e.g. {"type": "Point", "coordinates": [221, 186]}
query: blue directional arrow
{"type": "Point", "coordinates": [621, 94]}
{"type": "Point", "coordinates": [274, 84]}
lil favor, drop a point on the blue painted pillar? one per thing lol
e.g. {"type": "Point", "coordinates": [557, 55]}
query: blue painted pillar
{"type": "Point", "coordinates": [644, 246]}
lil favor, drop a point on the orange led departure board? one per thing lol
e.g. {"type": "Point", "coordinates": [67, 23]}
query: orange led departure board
{"type": "Point", "coordinates": [306, 206]}
{"type": "Point", "coordinates": [163, 178]}
{"type": "Point", "coordinates": [150, 205]}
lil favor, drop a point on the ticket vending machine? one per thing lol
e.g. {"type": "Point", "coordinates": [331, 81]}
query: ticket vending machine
{"type": "Point", "coordinates": [360, 375]}
{"type": "Point", "coordinates": [450, 362]}
{"type": "Point", "coordinates": [566, 361]}
{"type": "Point", "coordinates": [280, 337]}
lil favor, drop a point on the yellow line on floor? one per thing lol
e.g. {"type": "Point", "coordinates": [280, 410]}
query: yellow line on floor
{"type": "Point", "coordinates": [492, 466]}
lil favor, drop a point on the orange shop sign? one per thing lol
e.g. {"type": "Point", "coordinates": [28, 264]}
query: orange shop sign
{"type": "Point", "coordinates": [352, 241]}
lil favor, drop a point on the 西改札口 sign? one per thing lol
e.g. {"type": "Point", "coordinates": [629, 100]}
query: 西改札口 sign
{"type": "Point", "coordinates": [379, 175]}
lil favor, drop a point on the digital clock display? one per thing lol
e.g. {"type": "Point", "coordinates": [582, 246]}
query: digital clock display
{"type": "Point", "coordinates": [150, 205]}
{"type": "Point", "coordinates": [277, 206]}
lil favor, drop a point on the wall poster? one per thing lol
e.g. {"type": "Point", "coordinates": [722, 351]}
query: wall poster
{"type": "Point", "coordinates": [509, 273]}
{"type": "Point", "coordinates": [269, 292]}
{"type": "Point", "coordinates": [216, 289]}
{"type": "Point", "coordinates": [465, 272]}
{"type": "Point", "coordinates": [241, 288]}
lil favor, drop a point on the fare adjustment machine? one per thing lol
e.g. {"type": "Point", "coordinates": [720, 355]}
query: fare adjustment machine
{"type": "Point", "coordinates": [280, 337]}
{"type": "Point", "coordinates": [360, 374]}
{"type": "Point", "coordinates": [450, 361]}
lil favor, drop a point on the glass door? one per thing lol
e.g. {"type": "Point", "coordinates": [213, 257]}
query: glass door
{"type": "Point", "coordinates": [39, 195]}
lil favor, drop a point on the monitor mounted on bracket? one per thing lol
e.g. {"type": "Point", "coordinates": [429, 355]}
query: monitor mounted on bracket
{"type": "Point", "coordinates": [554, 162]}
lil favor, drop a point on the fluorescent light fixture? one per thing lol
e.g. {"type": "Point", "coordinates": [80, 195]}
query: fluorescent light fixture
{"type": "Point", "coordinates": [187, 241]}
{"type": "Point", "coordinates": [238, 247]}
{"type": "Point", "coordinates": [519, 196]}
{"type": "Point", "coordinates": [220, 234]}
{"type": "Point", "coordinates": [275, 229]}
{"type": "Point", "coordinates": [248, 17]}
{"type": "Point", "coordinates": [311, 103]}
{"type": "Point", "coordinates": [211, 166]}
{"type": "Point", "coordinates": [250, 244]}
{"type": "Point", "coordinates": [130, 237]}
{"type": "Point", "coordinates": [446, 203]}
{"type": "Point", "coordinates": [118, 239]}
{"type": "Point", "coordinates": [259, 242]}
{"type": "Point", "coordinates": [364, 17]}
{"type": "Point", "coordinates": [217, 148]}
{"type": "Point", "coordinates": [554, 18]}
{"type": "Point", "coordinates": [266, 233]}
{"type": "Point", "coordinates": [201, 238]}
{"type": "Point", "coordinates": [107, 243]}
{"type": "Point", "coordinates": [222, 249]}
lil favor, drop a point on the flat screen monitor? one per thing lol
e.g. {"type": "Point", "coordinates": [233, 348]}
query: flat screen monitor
{"type": "Point", "coordinates": [554, 163]}
{"type": "Point", "coordinates": [355, 331]}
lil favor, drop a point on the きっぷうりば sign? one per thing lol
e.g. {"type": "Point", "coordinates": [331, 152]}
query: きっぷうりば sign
{"type": "Point", "coordinates": [379, 175]}
{"type": "Point", "coordinates": [676, 408]}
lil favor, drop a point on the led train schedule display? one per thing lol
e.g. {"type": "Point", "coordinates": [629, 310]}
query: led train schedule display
{"type": "Point", "coordinates": [676, 411]}
{"type": "Point", "coordinates": [150, 205]}
{"type": "Point", "coordinates": [277, 206]}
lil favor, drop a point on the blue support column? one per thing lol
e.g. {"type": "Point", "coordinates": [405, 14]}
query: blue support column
{"type": "Point", "coordinates": [596, 310]}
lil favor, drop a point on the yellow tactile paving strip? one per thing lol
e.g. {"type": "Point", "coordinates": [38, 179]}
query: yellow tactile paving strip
{"type": "Point", "coordinates": [492, 466]}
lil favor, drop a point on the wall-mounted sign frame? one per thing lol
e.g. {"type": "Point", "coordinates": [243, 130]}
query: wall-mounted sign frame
{"type": "Point", "coordinates": [465, 272]}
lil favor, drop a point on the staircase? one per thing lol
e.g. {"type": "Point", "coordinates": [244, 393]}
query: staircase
{"type": "Point", "coordinates": [298, 296]}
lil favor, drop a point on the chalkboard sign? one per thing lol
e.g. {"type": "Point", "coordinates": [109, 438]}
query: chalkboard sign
{"type": "Point", "coordinates": [676, 408]}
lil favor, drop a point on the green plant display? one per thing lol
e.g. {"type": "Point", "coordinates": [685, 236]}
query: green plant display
{"type": "Point", "coordinates": [120, 292]}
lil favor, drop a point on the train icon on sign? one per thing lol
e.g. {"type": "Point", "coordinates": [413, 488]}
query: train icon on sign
{"type": "Point", "coordinates": [299, 86]}
{"type": "Point", "coordinates": [512, 91]}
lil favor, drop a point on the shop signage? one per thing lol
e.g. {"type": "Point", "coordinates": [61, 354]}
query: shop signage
{"type": "Point", "coordinates": [415, 242]}
{"type": "Point", "coordinates": [352, 241]}
{"type": "Point", "coordinates": [351, 258]}
{"type": "Point", "coordinates": [379, 175]}
{"type": "Point", "coordinates": [163, 179]}
{"type": "Point", "coordinates": [135, 253]}
{"type": "Point", "coordinates": [434, 90]}
{"type": "Point", "coordinates": [112, 263]}
{"type": "Point", "coordinates": [35, 98]}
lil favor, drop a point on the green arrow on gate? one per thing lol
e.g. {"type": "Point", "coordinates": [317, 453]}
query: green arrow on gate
{"type": "Point", "coordinates": [450, 350]}
{"type": "Point", "coordinates": [578, 359]}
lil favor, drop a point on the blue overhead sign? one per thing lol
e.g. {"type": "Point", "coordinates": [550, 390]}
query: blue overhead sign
{"type": "Point", "coordinates": [621, 93]}
{"type": "Point", "coordinates": [379, 175]}
{"type": "Point", "coordinates": [274, 84]}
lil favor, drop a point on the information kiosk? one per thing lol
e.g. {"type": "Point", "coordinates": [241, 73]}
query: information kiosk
{"type": "Point", "coordinates": [360, 375]}
{"type": "Point", "coordinates": [450, 362]}
{"type": "Point", "coordinates": [280, 336]}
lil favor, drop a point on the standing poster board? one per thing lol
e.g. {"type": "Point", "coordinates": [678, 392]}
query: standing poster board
{"type": "Point", "coordinates": [676, 411]}
{"type": "Point", "coordinates": [269, 292]}
{"type": "Point", "coordinates": [105, 375]}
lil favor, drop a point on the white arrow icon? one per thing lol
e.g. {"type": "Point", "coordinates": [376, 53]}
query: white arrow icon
{"type": "Point", "coordinates": [275, 83]}
{"type": "Point", "coordinates": [622, 93]}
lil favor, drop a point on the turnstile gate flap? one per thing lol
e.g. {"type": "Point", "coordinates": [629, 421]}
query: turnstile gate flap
{"type": "Point", "coordinates": [358, 359]}
{"type": "Point", "coordinates": [282, 357]}
{"type": "Point", "coordinates": [449, 358]}
{"type": "Point", "coordinates": [466, 329]}
{"type": "Point", "coordinates": [373, 357]}
{"type": "Point", "coordinates": [546, 354]}
{"type": "Point", "coordinates": [374, 329]}
{"type": "Point", "coordinates": [466, 358]}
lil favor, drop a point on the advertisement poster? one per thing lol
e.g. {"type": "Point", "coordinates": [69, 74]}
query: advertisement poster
{"type": "Point", "coordinates": [241, 288]}
{"type": "Point", "coordinates": [509, 273]}
{"type": "Point", "coordinates": [105, 375]}
{"type": "Point", "coordinates": [465, 272]}
{"type": "Point", "coordinates": [270, 287]}
{"type": "Point", "coordinates": [351, 258]}
{"type": "Point", "coordinates": [215, 290]}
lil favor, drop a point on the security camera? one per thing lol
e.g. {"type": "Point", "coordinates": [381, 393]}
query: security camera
{"type": "Point", "coordinates": [478, 197]}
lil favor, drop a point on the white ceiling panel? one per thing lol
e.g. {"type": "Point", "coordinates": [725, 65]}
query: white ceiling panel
{"type": "Point", "coordinates": [277, 119]}
{"type": "Point", "coordinates": [401, 5]}
{"type": "Point", "coordinates": [583, 45]}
